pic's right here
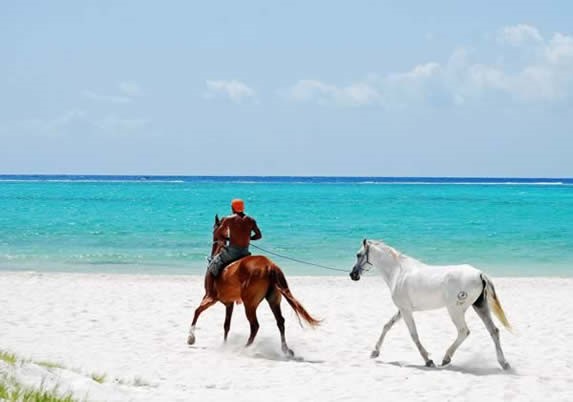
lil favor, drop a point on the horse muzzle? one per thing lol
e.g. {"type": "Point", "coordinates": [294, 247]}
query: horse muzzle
{"type": "Point", "coordinates": [355, 276]}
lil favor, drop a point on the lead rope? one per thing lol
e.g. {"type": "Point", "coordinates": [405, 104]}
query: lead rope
{"type": "Point", "coordinates": [297, 260]}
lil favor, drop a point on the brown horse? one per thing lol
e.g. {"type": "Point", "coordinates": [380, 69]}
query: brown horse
{"type": "Point", "coordinates": [250, 280]}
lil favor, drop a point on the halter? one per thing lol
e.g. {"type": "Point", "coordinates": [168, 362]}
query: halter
{"type": "Point", "coordinates": [367, 255]}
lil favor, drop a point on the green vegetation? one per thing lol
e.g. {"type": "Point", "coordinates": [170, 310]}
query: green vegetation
{"type": "Point", "coordinates": [98, 377]}
{"type": "Point", "coordinates": [9, 358]}
{"type": "Point", "coordinates": [13, 391]}
{"type": "Point", "coordinates": [50, 365]}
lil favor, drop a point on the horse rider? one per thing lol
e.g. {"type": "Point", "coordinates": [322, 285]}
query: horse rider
{"type": "Point", "coordinates": [238, 230]}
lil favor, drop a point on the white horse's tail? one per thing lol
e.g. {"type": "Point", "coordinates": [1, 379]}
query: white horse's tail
{"type": "Point", "coordinates": [494, 302]}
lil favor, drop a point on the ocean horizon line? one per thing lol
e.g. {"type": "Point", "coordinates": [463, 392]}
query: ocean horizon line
{"type": "Point", "coordinates": [503, 180]}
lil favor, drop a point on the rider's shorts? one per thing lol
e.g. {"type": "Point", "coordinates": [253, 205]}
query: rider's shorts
{"type": "Point", "coordinates": [225, 257]}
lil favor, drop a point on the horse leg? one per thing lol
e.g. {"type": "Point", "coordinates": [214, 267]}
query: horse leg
{"type": "Point", "coordinates": [274, 300]}
{"type": "Point", "coordinates": [387, 326]}
{"type": "Point", "coordinates": [409, 319]}
{"type": "Point", "coordinates": [458, 317]}
{"type": "Point", "coordinates": [228, 315]}
{"type": "Point", "coordinates": [251, 312]}
{"type": "Point", "coordinates": [482, 309]}
{"type": "Point", "coordinates": [207, 302]}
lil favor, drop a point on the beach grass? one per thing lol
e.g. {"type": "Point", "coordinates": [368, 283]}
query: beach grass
{"type": "Point", "coordinates": [8, 357]}
{"type": "Point", "coordinates": [50, 365]}
{"type": "Point", "coordinates": [99, 378]}
{"type": "Point", "coordinates": [13, 391]}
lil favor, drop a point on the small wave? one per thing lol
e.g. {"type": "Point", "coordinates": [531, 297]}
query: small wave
{"type": "Point", "coordinates": [461, 183]}
{"type": "Point", "coordinates": [365, 180]}
{"type": "Point", "coordinates": [88, 181]}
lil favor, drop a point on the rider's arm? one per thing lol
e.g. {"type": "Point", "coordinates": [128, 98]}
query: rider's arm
{"type": "Point", "coordinates": [222, 232]}
{"type": "Point", "coordinates": [258, 235]}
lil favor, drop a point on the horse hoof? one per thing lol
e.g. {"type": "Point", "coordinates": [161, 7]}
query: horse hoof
{"type": "Point", "coordinates": [191, 339]}
{"type": "Point", "coordinates": [288, 352]}
{"type": "Point", "coordinates": [374, 354]}
{"type": "Point", "coordinates": [445, 362]}
{"type": "Point", "coordinates": [430, 363]}
{"type": "Point", "coordinates": [505, 366]}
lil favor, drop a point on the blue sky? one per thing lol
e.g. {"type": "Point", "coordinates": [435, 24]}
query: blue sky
{"type": "Point", "coordinates": [374, 88]}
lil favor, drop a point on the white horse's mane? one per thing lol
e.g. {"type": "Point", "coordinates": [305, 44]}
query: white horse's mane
{"type": "Point", "coordinates": [395, 253]}
{"type": "Point", "coordinates": [383, 245]}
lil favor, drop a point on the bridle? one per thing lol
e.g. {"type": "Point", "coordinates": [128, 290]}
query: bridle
{"type": "Point", "coordinates": [367, 255]}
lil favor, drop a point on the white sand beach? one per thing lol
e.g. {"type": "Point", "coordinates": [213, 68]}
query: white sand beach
{"type": "Point", "coordinates": [133, 330]}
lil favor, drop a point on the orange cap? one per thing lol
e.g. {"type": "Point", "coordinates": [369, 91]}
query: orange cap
{"type": "Point", "coordinates": [238, 205]}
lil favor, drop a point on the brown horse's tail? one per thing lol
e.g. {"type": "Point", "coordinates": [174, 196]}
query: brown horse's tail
{"type": "Point", "coordinates": [278, 279]}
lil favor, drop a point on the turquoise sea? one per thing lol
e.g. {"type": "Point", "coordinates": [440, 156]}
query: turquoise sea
{"type": "Point", "coordinates": [149, 224]}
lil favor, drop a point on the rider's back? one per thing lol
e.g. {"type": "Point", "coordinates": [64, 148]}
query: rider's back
{"type": "Point", "coordinates": [240, 228]}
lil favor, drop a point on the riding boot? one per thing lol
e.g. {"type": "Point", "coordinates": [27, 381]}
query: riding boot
{"type": "Point", "coordinates": [210, 284]}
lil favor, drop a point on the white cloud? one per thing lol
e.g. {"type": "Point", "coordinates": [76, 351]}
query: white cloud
{"type": "Point", "coordinates": [419, 72]}
{"type": "Point", "coordinates": [307, 90]}
{"type": "Point", "coordinates": [546, 74]}
{"type": "Point", "coordinates": [394, 88]}
{"type": "Point", "coordinates": [119, 125]}
{"type": "Point", "coordinates": [130, 88]}
{"type": "Point", "coordinates": [106, 98]}
{"type": "Point", "coordinates": [67, 118]}
{"type": "Point", "coordinates": [520, 34]}
{"type": "Point", "coordinates": [75, 123]}
{"type": "Point", "coordinates": [412, 86]}
{"type": "Point", "coordinates": [541, 72]}
{"type": "Point", "coordinates": [234, 90]}
{"type": "Point", "coordinates": [560, 50]}
{"type": "Point", "coordinates": [357, 94]}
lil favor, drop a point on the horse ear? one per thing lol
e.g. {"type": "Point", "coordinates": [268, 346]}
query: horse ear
{"type": "Point", "coordinates": [364, 242]}
{"type": "Point", "coordinates": [217, 219]}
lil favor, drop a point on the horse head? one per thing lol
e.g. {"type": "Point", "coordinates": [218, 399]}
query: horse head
{"type": "Point", "coordinates": [217, 244]}
{"type": "Point", "coordinates": [372, 253]}
{"type": "Point", "coordinates": [362, 259]}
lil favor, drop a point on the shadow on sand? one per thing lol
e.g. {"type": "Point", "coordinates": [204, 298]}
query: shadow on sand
{"type": "Point", "coordinates": [284, 358]}
{"type": "Point", "coordinates": [266, 349]}
{"type": "Point", "coordinates": [478, 371]}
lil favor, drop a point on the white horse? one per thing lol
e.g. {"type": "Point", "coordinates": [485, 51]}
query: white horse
{"type": "Point", "coordinates": [416, 286]}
